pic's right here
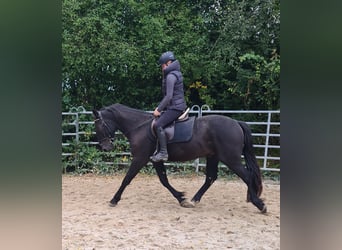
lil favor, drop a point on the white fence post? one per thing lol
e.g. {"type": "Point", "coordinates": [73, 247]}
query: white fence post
{"type": "Point", "coordinates": [267, 138]}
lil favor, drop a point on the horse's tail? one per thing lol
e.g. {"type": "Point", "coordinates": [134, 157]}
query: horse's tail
{"type": "Point", "coordinates": [250, 159]}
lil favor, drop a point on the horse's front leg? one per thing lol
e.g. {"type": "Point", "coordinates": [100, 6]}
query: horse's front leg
{"type": "Point", "coordinates": [161, 171]}
{"type": "Point", "coordinates": [133, 170]}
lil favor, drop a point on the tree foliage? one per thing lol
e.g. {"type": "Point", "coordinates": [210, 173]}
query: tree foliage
{"type": "Point", "coordinates": [229, 52]}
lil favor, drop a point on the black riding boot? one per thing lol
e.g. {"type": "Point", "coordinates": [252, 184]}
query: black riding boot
{"type": "Point", "coordinates": [162, 154]}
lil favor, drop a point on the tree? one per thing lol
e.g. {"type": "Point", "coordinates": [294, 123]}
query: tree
{"type": "Point", "coordinates": [238, 29]}
{"type": "Point", "coordinates": [226, 48]}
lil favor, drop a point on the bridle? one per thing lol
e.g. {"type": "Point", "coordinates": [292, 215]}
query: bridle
{"type": "Point", "coordinates": [108, 134]}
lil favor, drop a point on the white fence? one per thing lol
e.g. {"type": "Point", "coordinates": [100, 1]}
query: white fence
{"type": "Point", "coordinates": [78, 128]}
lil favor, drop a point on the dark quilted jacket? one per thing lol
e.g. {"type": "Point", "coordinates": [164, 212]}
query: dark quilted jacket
{"type": "Point", "coordinates": [172, 88]}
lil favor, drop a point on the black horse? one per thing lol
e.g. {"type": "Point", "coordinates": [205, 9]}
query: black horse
{"type": "Point", "coordinates": [216, 137]}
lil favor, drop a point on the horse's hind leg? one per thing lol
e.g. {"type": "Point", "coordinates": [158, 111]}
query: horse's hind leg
{"type": "Point", "coordinates": [246, 175]}
{"type": "Point", "coordinates": [161, 171]}
{"type": "Point", "coordinates": [211, 176]}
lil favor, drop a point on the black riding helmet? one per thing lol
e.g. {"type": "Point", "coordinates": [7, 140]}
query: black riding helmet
{"type": "Point", "coordinates": [167, 56]}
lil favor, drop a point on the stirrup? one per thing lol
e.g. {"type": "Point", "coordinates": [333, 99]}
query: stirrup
{"type": "Point", "coordinates": [159, 157]}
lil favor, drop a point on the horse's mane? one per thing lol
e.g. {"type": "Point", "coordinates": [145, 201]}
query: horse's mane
{"type": "Point", "coordinates": [127, 110]}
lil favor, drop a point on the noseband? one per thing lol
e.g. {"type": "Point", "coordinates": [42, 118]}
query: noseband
{"type": "Point", "coordinates": [107, 133]}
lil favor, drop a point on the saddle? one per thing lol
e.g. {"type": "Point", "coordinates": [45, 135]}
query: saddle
{"type": "Point", "coordinates": [180, 130]}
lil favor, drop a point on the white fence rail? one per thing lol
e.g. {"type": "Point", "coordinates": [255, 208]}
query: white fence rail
{"type": "Point", "coordinates": [78, 128]}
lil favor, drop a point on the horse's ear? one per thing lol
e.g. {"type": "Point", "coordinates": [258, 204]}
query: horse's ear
{"type": "Point", "coordinates": [96, 114]}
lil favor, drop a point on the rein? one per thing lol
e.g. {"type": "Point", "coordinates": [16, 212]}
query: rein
{"type": "Point", "coordinates": [109, 135]}
{"type": "Point", "coordinates": [140, 125]}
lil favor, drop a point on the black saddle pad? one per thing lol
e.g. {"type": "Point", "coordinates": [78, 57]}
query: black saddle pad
{"type": "Point", "coordinates": [183, 130]}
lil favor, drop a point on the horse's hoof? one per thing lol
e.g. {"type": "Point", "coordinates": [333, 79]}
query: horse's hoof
{"type": "Point", "coordinates": [112, 204]}
{"type": "Point", "coordinates": [264, 210]}
{"type": "Point", "coordinates": [187, 204]}
{"type": "Point", "coordinates": [195, 202]}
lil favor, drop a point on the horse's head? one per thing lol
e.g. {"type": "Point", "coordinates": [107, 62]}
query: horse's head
{"type": "Point", "coordinates": [104, 132]}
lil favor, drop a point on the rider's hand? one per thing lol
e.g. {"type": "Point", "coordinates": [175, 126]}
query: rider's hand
{"type": "Point", "coordinates": [156, 113]}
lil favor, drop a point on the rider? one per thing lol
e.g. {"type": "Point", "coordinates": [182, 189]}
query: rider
{"type": "Point", "coordinates": [173, 103]}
